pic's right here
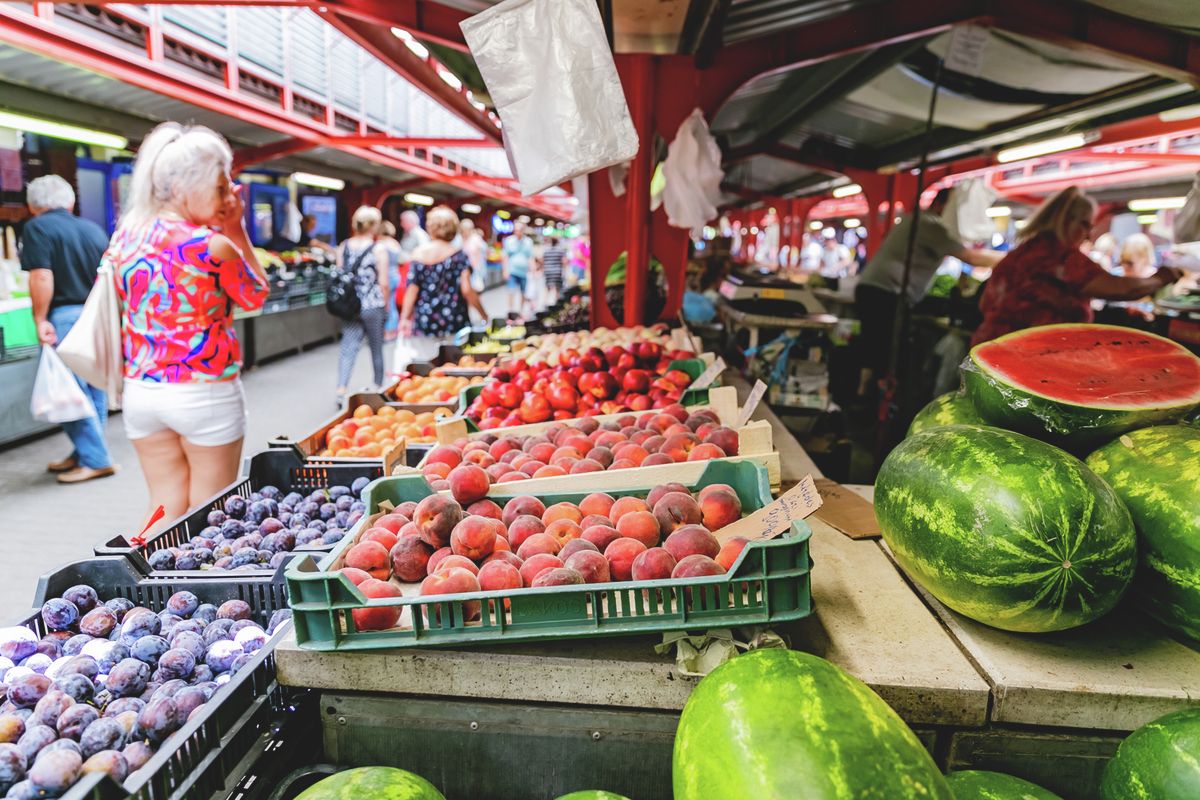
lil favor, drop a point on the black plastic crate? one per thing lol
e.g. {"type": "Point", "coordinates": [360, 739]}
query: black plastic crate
{"type": "Point", "coordinates": [285, 468]}
{"type": "Point", "coordinates": [200, 758]}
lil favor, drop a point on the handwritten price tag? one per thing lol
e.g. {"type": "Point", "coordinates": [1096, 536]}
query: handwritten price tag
{"type": "Point", "coordinates": [776, 518]}
{"type": "Point", "coordinates": [709, 375]}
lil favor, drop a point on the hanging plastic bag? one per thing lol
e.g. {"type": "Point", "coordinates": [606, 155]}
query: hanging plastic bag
{"type": "Point", "coordinates": [693, 174]}
{"type": "Point", "coordinates": [1187, 219]}
{"type": "Point", "coordinates": [966, 211]}
{"type": "Point", "coordinates": [57, 397]}
{"type": "Point", "coordinates": [549, 70]}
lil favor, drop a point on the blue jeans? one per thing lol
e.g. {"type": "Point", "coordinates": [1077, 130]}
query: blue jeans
{"type": "Point", "coordinates": [393, 315]}
{"type": "Point", "coordinates": [86, 434]}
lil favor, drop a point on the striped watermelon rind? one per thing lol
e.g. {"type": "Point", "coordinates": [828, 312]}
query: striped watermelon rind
{"type": "Point", "coordinates": [592, 794]}
{"type": "Point", "coordinates": [952, 408]}
{"type": "Point", "coordinates": [1158, 761]}
{"type": "Point", "coordinates": [980, 784]}
{"type": "Point", "coordinates": [783, 724]}
{"type": "Point", "coordinates": [1005, 529]}
{"type": "Point", "coordinates": [377, 783]}
{"type": "Point", "coordinates": [1081, 426]}
{"type": "Point", "coordinates": [1156, 473]}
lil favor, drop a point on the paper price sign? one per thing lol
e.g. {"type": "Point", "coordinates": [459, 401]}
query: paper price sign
{"type": "Point", "coordinates": [776, 518]}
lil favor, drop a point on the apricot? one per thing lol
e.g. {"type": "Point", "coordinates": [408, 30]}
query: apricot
{"type": "Point", "coordinates": [538, 543]}
{"type": "Point", "coordinates": [485, 508]}
{"type": "Point", "coordinates": [454, 561]}
{"type": "Point", "coordinates": [382, 535]}
{"type": "Point", "coordinates": [355, 574]}
{"type": "Point", "coordinates": [522, 504]}
{"type": "Point", "coordinates": [377, 619]}
{"type": "Point", "coordinates": [410, 559]}
{"type": "Point", "coordinates": [591, 564]}
{"type": "Point", "coordinates": [697, 566]}
{"type": "Point", "coordinates": [454, 580]}
{"type": "Point", "coordinates": [535, 565]}
{"type": "Point", "coordinates": [730, 551]}
{"type": "Point", "coordinates": [719, 508]}
{"type": "Point", "coordinates": [474, 537]}
{"type": "Point", "coordinates": [563, 531]}
{"type": "Point", "coordinates": [436, 517]}
{"type": "Point", "coordinates": [557, 576]}
{"type": "Point", "coordinates": [522, 528]}
{"type": "Point", "coordinates": [624, 505]}
{"type": "Point", "coordinates": [691, 540]}
{"type": "Point", "coordinates": [436, 559]}
{"type": "Point", "coordinates": [620, 555]}
{"type": "Point", "coordinates": [640, 525]}
{"type": "Point", "coordinates": [652, 564]}
{"type": "Point", "coordinates": [371, 558]}
{"type": "Point", "coordinates": [601, 536]}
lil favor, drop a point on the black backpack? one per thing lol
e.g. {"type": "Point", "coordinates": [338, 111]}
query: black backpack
{"type": "Point", "coordinates": [341, 298]}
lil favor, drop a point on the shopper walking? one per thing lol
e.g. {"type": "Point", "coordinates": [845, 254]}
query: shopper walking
{"type": "Point", "coordinates": [517, 255]}
{"type": "Point", "coordinates": [1047, 279]}
{"type": "Point", "coordinates": [366, 258]}
{"type": "Point", "coordinates": [475, 249]}
{"type": "Point", "coordinates": [61, 252]}
{"type": "Point", "coordinates": [553, 257]}
{"type": "Point", "coordinates": [182, 260]}
{"type": "Point", "coordinates": [387, 237]}
{"type": "Point", "coordinates": [439, 291]}
{"type": "Point", "coordinates": [413, 235]}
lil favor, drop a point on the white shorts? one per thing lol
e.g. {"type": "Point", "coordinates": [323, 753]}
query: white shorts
{"type": "Point", "coordinates": [206, 414]}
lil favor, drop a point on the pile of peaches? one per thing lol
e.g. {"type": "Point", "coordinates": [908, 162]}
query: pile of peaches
{"type": "Point", "coordinates": [468, 466]}
{"type": "Point", "coordinates": [449, 549]}
{"type": "Point", "coordinates": [436, 387]}
{"type": "Point", "coordinates": [367, 433]}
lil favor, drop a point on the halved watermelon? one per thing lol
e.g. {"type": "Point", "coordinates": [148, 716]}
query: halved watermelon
{"type": "Point", "coordinates": [1081, 385]}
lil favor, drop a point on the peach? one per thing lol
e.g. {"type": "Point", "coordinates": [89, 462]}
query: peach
{"type": "Point", "coordinates": [454, 580]}
{"type": "Point", "coordinates": [579, 442]}
{"type": "Point", "coordinates": [520, 461]}
{"type": "Point", "coordinates": [676, 509]}
{"type": "Point", "coordinates": [562, 511]}
{"type": "Point", "coordinates": [657, 460]}
{"type": "Point", "coordinates": [538, 543]}
{"type": "Point", "coordinates": [566, 452]}
{"type": "Point", "coordinates": [393, 522]}
{"type": "Point", "coordinates": [495, 471]}
{"type": "Point", "coordinates": [620, 555]}
{"type": "Point", "coordinates": [591, 564]}
{"type": "Point", "coordinates": [355, 574]}
{"type": "Point", "coordinates": [697, 566]}
{"type": "Point", "coordinates": [677, 411]}
{"type": "Point", "coordinates": [720, 508]}
{"type": "Point", "coordinates": [410, 559]}
{"type": "Point", "coordinates": [610, 439]}
{"type": "Point", "coordinates": [573, 546]}
{"type": "Point", "coordinates": [724, 438]}
{"type": "Point", "coordinates": [501, 446]}
{"type": "Point", "coordinates": [454, 561]}
{"type": "Point", "coordinates": [550, 471]}
{"type": "Point", "coordinates": [543, 451]}
{"type": "Point", "coordinates": [640, 525]}
{"type": "Point", "coordinates": [410, 529]}
{"type": "Point", "coordinates": [630, 431]}
{"type": "Point", "coordinates": [407, 508]}
{"type": "Point", "coordinates": [435, 517]}
{"type": "Point", "coordinates": [507, 556]}
{"type": "Point", "coordinates": [713, 487]}
{"type": "Point", "coordinates": [435, 471]}
{"type": "Point", "coordinates": [510, 456]}
{"type": "Point", "coordinates": [474, 537]}
{"type": "Point", "coordinates": [497, 576]}
{"type": "Point", "coordinates": [444, 454]}
{"type": "Point", "coordinates": [436, 559]}
{"type": "Point", "coordinates": [522, 528]}
{"type": "Point", "coordinates": [654, 443]}
{"type": "Point", "coordinates": [679, 446]}
{"type": "Point", "coordinates": [535, 565]}
{"type": "Point", "coordinates": [371, 558]}
{"type": "Point", "coordinates": [702, 417]}
{"type": "Point", "coordinates": [485, 508]}
{"type": "Point", "coordinates": [652, 564]}
{"type": "Point", "coordinates": [706, 451]}
{"type": "Point", "coordinates": [663, 488]}
{"type": "Point", "coordinates": [377, 619]}
{"type": "Point", "coordinates": [601, 536]}
{"type": "Point", "coordinates": [660, 422]}
{"type": "Point", "coordinates": [601, 455]}
{"type": "Point", "coordinates": [586, 465]}
{"type": "Point", "coordinates": [382, 535]}
{"type": "Point", "coordinates": [625, 505]}
{"type": "Point", "coordinates": [501, 542]}
{"type": "Point", "coordinates": [479, 458]}
{"type": "Point", "coordinates": [522, 504]}
{"type": "Point", "coordinates": [468, 483]}
{"type": "Point", "coordinates": [563, 531]}
{"type": "Point", "coordinates": [557, 576]}
{"type": "Point", "coordinates": [690, 540]}
{"type": "Point", "coordinates": [622, 463]}
{"type": "Point", "coordinates": [633, 452]}
{"type": "Point", "coordinates": [531, 467]}
{"type": "Point", "coordinates": [440, 485]}
{"type": "Point", "coordinates": [593, 519]}
{"type": "Point", "coordinates": [513, 477]}
{"type": "Point", "coordinates": [676, 428]}
{"type": "Point", "coordinates": [730, 551]}
{"type": "Point", "coordinates": [705, 429]}
{"type": "Point", "coordinates": [587, 425]}
{"type": "Point", "coordinates": [474, 446]}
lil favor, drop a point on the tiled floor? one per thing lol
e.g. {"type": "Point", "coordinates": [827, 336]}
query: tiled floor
{"type": "Point", "coordinates": [46, 525]}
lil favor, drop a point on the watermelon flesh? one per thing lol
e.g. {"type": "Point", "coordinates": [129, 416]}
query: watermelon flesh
{"type": "Point", "coordinates": [1158, 761]}
{"type": "Point", "coordinates": [1156, 473]}
{"type": "Point", "coordinates": [1081, 385]}
{"type": "Point", "coordinates": [1005, 529]}
{"type": "Point", "coordinates": [973, 784]}
{"type": "Point", "coordinates": [783, 724]}
{"type": "Point", "coordinates": [952, 408]}
{"type": "Point", "coordinates": [377, 783]}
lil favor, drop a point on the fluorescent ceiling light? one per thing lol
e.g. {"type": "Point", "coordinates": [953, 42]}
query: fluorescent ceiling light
{"type": "Point", "coordinates": [852, 222]}
{"type": "Point", "coordinates": [449, 78]}
{"type": "Point", "coordinates": [470, 208]}
{"type": "Point", "coordinates": [539, 222]}
{"type": "Point", "coordinates": [59, 130]}
{"type": "Point", "coordinates": [816, 225]}
{"type": "Point", "coordinates": [319, 181]}
{"type": "Point", "coordinates": [1183, 112]}
{"type": "Point", "coordinates": [999, 211]}
{"type": "Point", "coordinates": [523, 218]}
{"type": "Point", "coordinates": [1156, 203]}
{"type": "Point", "coordinates": [1034, 149]}
{"type": "Point", "coordinates": [1147, 219]}
{"type": "Point", "coordinates": [1019, 224]}
{"type": "Point", "coordinates": [847, 190]}
{"type": "Point", "coordinates": [420, 50]}
{"type": "Point", "coordinates": [412, 198]}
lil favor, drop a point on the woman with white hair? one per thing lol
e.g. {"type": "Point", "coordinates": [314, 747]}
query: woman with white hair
{"type": "Point", "coordinates": [366, 258]}
{"type": "Point", "coordinates": [182, 260]}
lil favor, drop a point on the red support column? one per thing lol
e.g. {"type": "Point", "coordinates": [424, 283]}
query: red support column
{"type": "Point", "coordinates": [637, 74]}
{"type": "Point", "coordinates": [606, 227]}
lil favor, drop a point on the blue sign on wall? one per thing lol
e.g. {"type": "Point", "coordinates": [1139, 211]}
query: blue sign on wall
{"type": "Point", "coordinates": [501, 225]}
{"type": "Point", "coordinates": [324, 208]}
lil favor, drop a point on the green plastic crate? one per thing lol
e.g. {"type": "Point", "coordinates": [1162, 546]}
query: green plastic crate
{"type": "Point", "coordinates": [768, 584]}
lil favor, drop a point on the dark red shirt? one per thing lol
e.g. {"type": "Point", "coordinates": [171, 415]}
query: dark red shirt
{"type": "Point", "coordinates": [1039, 283]}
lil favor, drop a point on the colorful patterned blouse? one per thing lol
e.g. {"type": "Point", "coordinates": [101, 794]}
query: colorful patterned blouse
{"type": "Point", "coordinates": [177, 303]}
{"type": "Point", "coordinates": [440, 309]}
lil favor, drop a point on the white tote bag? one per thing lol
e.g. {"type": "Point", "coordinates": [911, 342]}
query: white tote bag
{"type": "Point", "coordinates": [93, 347]}
{"type": "Point", "coordinates": [57, 397]}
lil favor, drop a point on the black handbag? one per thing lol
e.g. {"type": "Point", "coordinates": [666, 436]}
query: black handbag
{"type": "Point", "coordinates": [341, 298]}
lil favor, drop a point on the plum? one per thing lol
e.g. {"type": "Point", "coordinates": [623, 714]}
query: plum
{"type": "Point", "coordinates": [235, 507]}
{"type": "Point", "coordinates": [190, 642]}
{"type": "Point", "coordinates": [343, 503]}
{"type": "Point", "coordinates": [206, 613]}
{"type": "Point", "coordinates": [158, 720]}
{"type": "Point", "coordinates": [234, 610]}
{"type": "Point", "coordinates": [222, 654]}
{"type": "Point", "coordinates": [82, 596]}
{"type": "Point", "coordinates": [128, 722]}
{"type": "Point", "coordinates": [110, 762]}
{"type": "Point", "coordinates": [278, 618]}
{"type": "Point", "coordinates": [246, 557]}
{"type": "Point", "coordinates": [75, 720]}
{"type": "Point", "coordinates": [78, 687]}
{"type": "Point", "coordinates": [107, 654]}
{"type": "Point", "coordinates": [251, 638]}
{"type": "Point", "coordinates": [26, 690]}
{"type": "Point", "coordinates": [38, 662]}
{"type": "Point", "coordinates": [12, 766]}
{"type": "Point", "coordinates": [62, 744]}
{"type": "Point", "coordinates": [59, 614]}
{"type": "Point", "coordinates": [17, 672]}
{"type": "Point", "coordinates": [202, 673]}
{"type": "Point", "coordinates": [162, 559]}
{"type": "Point", "coordinates": [187, 561]}
{"type": "Point", "coordinates": [122, 705]}
{"type": "Point", "coordinates": [25, 790]}
{"type": "Point", "coordinates": [332, 536]}
{"type": "Point", "coordinates": [256, 512]}
{"type": "Point", "coordinates": [357, 486]}
{"type": "Point", "coordinates": [17, 643]}
{"type": "Point", "coordinates": [51, 648]}
{"type": "Point", "coordinates": [34, 739]}
{"type": "Point", "coordinates": [188, 699]}
{"type": "Point", "coordinates": [54, 772]}
{"type": "Point", "coordinates": [139, 623]}
{"type": "Point", "coordinates": [103, 734]}
{"type": "Point", "coordinates": [99, 622]}
{"type": "Point", "coordinates": [84, 665]}
{"type": "Point", "coordinates": [137, 754]}
{"type": "Point", "coordinates": [270, 526]}
{"type": "Point", "coordinates": [149, 649]}
{"type": "Point", "coordinates": [169, 688]}
{"type": "Point", "coordinates": [292, 499]}
{"type": "Point", "coordinates": [74, 645]}
{"type": "Point", "coordinates": [51, 707]}
{"type": "Point", "coordinates": [216, 517]}
{"type": "Point", "coordinates": [241, 661]}
{"type": "Point", "coordinates": [12, 728]}
{"type": "Point", "coordinates": [119, 606]}
{"type": "Point", "coordinates": [177, 663]}
{"type": "Point", "coordinates": [271, 492]}
{"type": "Point", "coordinates": [338, 491]}
{"type": "Point", "coordinates": [232, 528]}
{"type": "Point", "coordinates": [128, 678]}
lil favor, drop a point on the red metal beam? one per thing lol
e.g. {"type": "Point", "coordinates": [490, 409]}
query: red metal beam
{"type": "Point", "coordinates": [424, 19]}
{"type": "Point", "coordinates": [248, 156]}
{"type": "Point", "coordinates": [408, 142]}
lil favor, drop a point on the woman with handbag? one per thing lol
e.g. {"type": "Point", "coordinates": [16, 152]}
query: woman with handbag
{"type": "Point", "coordinates": [365, 259]}
{"type": "Point", "coordinates": [182, 259]}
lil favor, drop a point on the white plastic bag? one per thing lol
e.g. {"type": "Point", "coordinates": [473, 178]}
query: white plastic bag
{"type": "Point", "coordinates": [693, 173]}
{"type": "Point", "coordinates": [549, 70]}
{"type": "Point", "coordinates": [966, 211]}
{"type": "Point", "coordinates": [57, 397]}
{"type": "Point", "coordinates": [1187, 219]}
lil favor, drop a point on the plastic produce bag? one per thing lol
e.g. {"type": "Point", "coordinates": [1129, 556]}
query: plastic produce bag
{"type": "Point", "coordinates": [549, 70]}
{"type": "Point", "coordinates": [57, 397]}
{"type": "Point", "coordinates": [693, 172]}
{"type": "Point", "coordinates": [1187, 219]}
{"type": "Point", "coordinates": [966, 211]}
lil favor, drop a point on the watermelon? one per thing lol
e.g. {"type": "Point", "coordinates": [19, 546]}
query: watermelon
{"type": "Point", "coordinates": [952, 408]}
{"type": "Point", "coordinates": [1158, 761]}
{"type": "Point", "coordinates": [782, 724]}
{"type": "Point", "coordinates": [1005, 529]}
{"type": "Point", "coordinates": [971, 784]}
{"type": "Point", "coordinates": [593, 794]}
{"type": "Point", "coordinates": [1080, 386]}
{"type": "Point", "coordinates": [377, 783]}
{"type": "Point", "coordinates": [1156, 472]}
